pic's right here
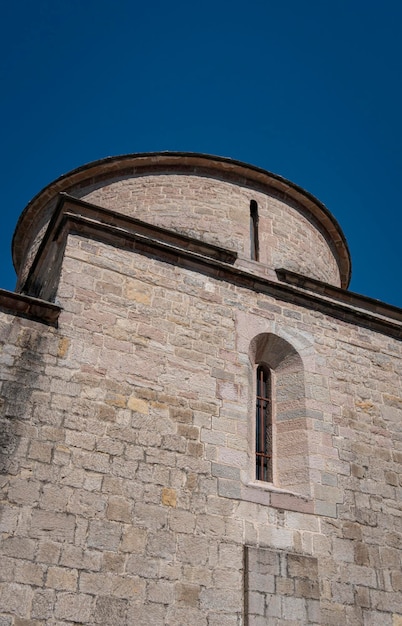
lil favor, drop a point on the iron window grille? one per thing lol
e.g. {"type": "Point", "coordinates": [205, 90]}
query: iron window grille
{"type": "Point", "coordinates": [263, 431]}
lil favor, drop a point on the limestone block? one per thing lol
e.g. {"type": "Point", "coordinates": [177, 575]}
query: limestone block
{"type": "Point", "coordinates": [43, 603]}
{"type": "Point", "coordinates": [74, 606]}
{"type": "Point", "coordinates": [22, 491]}
{"type": "Point", "coordinates": [75, 557]}
{"type": "Point", "coordinates": [110, 610]}
{"type": "Point", "coordinates": [16, 599]}
{"type": "Point", "coordinates": [119, 509]}
{"type": "Point", "coordinates": [29, 573]}
{"type": "Point", "coordinates": [133, 539]}
{"type": "Point", "coordinates": [169, 497]}
{"type": "Point", "coordinates": [18, 547]}
{"type": "Point", "coordinates": [61, 578]}
{"type": "Point", "coordinates": [160, 591]}
{"type": "Point", "coordinates": [104, 535]}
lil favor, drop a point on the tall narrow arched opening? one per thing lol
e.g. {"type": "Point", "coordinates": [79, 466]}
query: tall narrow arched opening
{"type": "Point", "coordinates": [263, 424]}
{"type": "Point", "coordinates": [278, 424]}
{"type": "Point", "coordinates": [254, 239]}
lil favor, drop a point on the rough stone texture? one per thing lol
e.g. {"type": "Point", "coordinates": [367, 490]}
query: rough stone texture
{"type": "Point", "coordinates": [127, 454]}
{"type": "Point", "coordinates": [218, 212]}
{"type": "Point", "coordinates": [189, 197]}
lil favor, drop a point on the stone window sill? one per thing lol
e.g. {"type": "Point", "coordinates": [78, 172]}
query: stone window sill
{"type": "Point", "coordinates": [268, 494]}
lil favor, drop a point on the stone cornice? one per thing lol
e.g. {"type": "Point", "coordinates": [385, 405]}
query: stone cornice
{"type": "Point", "coordinates": [31, 308]}
{"type": "Point", "coordinates": [78, 217]}
{"type": "Point", "coordinates": [199, 164]}
{"type": "Point", "coordinates": [356, 300]}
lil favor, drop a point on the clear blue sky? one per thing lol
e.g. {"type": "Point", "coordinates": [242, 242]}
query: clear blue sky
{"type": "Point", "coordinates": [311, 90]}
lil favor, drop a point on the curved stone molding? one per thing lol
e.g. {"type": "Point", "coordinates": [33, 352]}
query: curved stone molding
{"type": "Point", "coordinates": [203, 197]}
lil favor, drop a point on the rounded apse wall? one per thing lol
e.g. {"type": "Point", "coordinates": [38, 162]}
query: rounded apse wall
{"type": "Point", "coordinates": [266, 219]}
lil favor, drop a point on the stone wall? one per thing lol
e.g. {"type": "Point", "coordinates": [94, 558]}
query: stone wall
{"type": "Point", "coordinates": [203, 197]}
{"type": "Point", "coordinates": [219, 212]}
{"type": "Point", "coordinates": [128, 493]}
{"type": "Point", "coordinates": [280, 588]}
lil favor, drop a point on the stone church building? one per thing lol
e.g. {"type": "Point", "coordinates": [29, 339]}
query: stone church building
{"type": "Point", "coordinates": [200, 424]}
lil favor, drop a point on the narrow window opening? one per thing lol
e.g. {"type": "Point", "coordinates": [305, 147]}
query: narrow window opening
{"type": "Point", "coordinates": [254, 243]}
{"type": "Point", "coordinates": [263, 431]}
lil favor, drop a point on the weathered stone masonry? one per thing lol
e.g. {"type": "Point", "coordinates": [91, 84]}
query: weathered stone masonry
{"type": "Point", "coordinates": [127, 407]}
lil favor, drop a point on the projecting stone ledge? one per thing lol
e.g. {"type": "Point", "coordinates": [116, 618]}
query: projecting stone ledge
{"type": "Point", "coordinates": [29, 307]}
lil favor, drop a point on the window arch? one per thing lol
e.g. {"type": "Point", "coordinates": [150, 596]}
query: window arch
{"type": "Point", "coordinates": [280, 401]}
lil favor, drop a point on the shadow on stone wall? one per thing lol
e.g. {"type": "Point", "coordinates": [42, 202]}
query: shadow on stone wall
{"type": "Point", "coordinates": [22, 351]}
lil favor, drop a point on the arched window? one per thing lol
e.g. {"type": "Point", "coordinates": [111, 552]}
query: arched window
{"type": "Point", "coordinates": [278, 425]}
{"type": "Point", "coordinates": [263, 425]}
{"type": "Point", "coordinates": [254, 240]}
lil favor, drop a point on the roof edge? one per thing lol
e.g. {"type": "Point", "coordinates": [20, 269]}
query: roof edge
{"type": "Point", "coordinates": [247, 172]}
